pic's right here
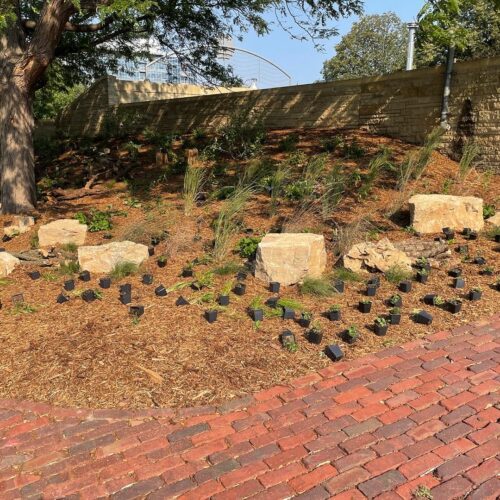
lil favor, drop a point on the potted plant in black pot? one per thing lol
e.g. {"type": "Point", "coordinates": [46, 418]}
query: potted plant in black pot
{"type": "Point", "coordinates": [240, 289]}
{"type": "Point", "coordinates": [256, 310]}
{"type": "Point", "coordinates": [466, 231]}
{"type": "Point", "coordinates": [449, 234]}
{"type": "Point", "coordinates": [274, 287]}
{"type": "Point", "coordinates": [315, 334]}
{"type": "Point", "coordinates": [34, 275]}
{"type": "Point", "coordinates": [88, 295]}
{"type": "Point", "coordinates": [181, 301]}
{"type": "Point", "coordinates": [333, 313]}
{"type": "Point", "coordinates": [422, 317]}
{"type": "Point", "coordinates": [472, 235]}
{"type": "Point", "coordinates": [288, 313]}
{"type": "Point", "coordinates": [487, 271]}
{"type": "Point", "coordinates": [287, 339]}
{"type": "Point", "coordinates": [405, 286]}
{"type": "Point", "coordinates": [454, 306]}
{"type": "Point", "coordinates": [497, 285]}
{"type": "Point", "coordinates": [350, 335]}
{"type": "Point", "coordinates": [211, 315]}
{"type": "Point", "coordinates": [371, 290]}
{"type": "Point", "coordinates": [223, 299]}
{"type": "Point", "coordinates": [151, 250]}
{"type": "Point", "coordinates": [395, 316]}
{"type": "Point", "coordinates": [272, 302]}
{"type": "Point", "coordinates": [374, 281]}
{"type": "Point", "coordinates": [136, 311]}
{"type": "Point", "coordinates": [422, 275]}
{"type": "Point", "coordinates": [438, 301]}
{"type": "Point", "coordinates": [69, 285]}
{"type": "Point", "coordinates": [105, 283]}
{"type": "Point", "coordinates": [84, 276]}
{"type": "Point", "coordinates": [476, 293]}
{"type": "Point", "coordinates": [161, 291]}
{"type": "Point", "coordinates": [305, 319]}
{"type": "Point", "coordinates": [187, 271]}
{"type": "Point", "coordinates": [458, 283]}
{"type": "Point", "coordinates": [61, 299]}
{"type": "Point", "coordinates": [161, 261]}
{"type": "Point", "coordinates": [396, 300]}
{"type": "Point", "coordinates": [339, 286]}
{"type": "Point", "coordinates": [365, 306]}
{"type": "Point", "coordinates": [423, 263]}
{"type": "Point", "coordinates": [429, 299]}
{"type": "Point", "coordinates": [147, 279]}
{"type": "Point", "coordinates": [480, 261]}
{"type": "Point", "coordinates": [380, 326]}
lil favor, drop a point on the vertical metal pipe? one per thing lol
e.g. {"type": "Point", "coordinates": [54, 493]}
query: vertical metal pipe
{"type": "Point", "coordinates": [445, 109]}
{"type": "Point", "coordinates": [412, 28]}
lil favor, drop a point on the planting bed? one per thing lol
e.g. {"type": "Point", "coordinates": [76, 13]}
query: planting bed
{"type": "Point", "coordinates": [97, 354]}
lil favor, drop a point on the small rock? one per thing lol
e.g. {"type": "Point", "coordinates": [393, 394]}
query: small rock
{"type": "Point", "coordinates": [62, 232]}
{"type": "Point", "coordinates": [495, 220]}
{"type": "Point", "coordinates": [7, 263]}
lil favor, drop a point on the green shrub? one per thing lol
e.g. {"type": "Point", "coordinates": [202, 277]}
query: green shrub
{"type": "Point", "coordinates": [314, 168]}
{"type": "Point", "coordinates": [247, 247]}
{"type": "Point", "coordinates": [344, 274]}
{"type": "Point", "coordinates": [331, 144]}
{"type": "Point", "coordinates": [377, 165]}
{"type": "Point", "coordinates": [488, 211]}
{"type": "Point", "coordinates": [298, 190]}
{"type": "Point", "coordinates": [353, 150]}
{"type": "Point", "coordinates": [396, 274]}
{"type": "Point", "coordinates": [69, 267]}
{"type": "Point", "coordinates": [470, 153]}
{"type": "Point", "coordinates": [226, 269]}
{"type": "Point", "coordinates": [319, 287]}
{"type": "Point", "coordinates": [194, 179]}
{"type": "Point", "coordinates": [98, 220]}
{"type": "Point", "coordinates": [290, 303]}
{"type": "Point", "coordinates": [123, 269]}
{"type": "Point", "coordinates": [288, 143]}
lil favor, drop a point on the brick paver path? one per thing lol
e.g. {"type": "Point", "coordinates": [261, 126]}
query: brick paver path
{"type": "Point", "coordinates": [420, 417]}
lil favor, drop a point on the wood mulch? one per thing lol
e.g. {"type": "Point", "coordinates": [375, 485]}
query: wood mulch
{"type": "Point", "coordinates": [95, 355]}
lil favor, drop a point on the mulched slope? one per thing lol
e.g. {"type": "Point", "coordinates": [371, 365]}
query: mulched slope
{"type": "Point", "coordinates": [418, 418]}
{"type": "Point", "coordinates": [93, 355]}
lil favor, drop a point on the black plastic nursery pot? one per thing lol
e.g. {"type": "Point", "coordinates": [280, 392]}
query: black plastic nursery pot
{"type": "Point", "coordinates": [334, 352]}
{"type": "Point", "coordinates": [211, 316]}
{"type": "Point", "coordinates": [155, 241]}
{"type": "Point", "coordinates": [395, 301]}
{"type": "Point", "coordinates": [466, 231]}
{"type": "Point", "coordinates": [61, 299]}
{"type": "Point", "coordinates": [2, 249]}
{"type": "Point", "coordinates": [288, 313]}
{"type": "Point", "coordinates": [125, 288]}
{"type": "Point", "coordinates": [365, 307]}
{"type": "Point", "coordinates": [422, 265]}
{"type": "Point", "coordinates": [380, 330]}
{"type": "Point", "coordinates": [256, 314]}
{"type": "Point", "coordinates": [88, 295]}
{"type": "Point", "coordinates": [84, 276]}
{"type": "Point", "coordinates": [34, 275]}
{"type": "Point", "coordinates": [147, 279]}
{"type": "Point", "coordinates": [274, 287]}
{"type": "Point", "coordinates": [486, 272]}
{"type": "Point", "coordinates": [187, 273]}
{"type": "Point", "coordinates": [287, 338]}
{"type": "Point", "coordinates": [423, 318]}
{"type": "Point", "coordinates": [161, 263]}
{"type": "Point", "coordinates": [458, 283]}
{"type": "Point", "coordinates": [405, 286]}
{"type": "Point", "coordinates": [315, 336]}
{"type": "Point", "coordinates": [348, 339]}
{"type": "Point", "coordinates": [241, 276]}
{"type": "Point", "coordinates": [456, 272]}
{"type": "Point", "coordinates": [497, 238]}
{"type": "Point", "coordinates": [475, 295]}
{"type": "Point", "coordinates": [480, 261]}
{"type": "Point", "coordinates": [240, 289]}
{"type": "Point", "coordinates": [304, 322]}
{"type": "Point", "coordinates": [429, 299]}
{"type": "Point", "coordinates": [394, 319]}
{"type": "Point", "coordinates": [339, 285]}
{"type": "Point", "coordinates": [373, 281]}
{"type": "Point", "coordinates": [105, 282]}
{"type": "Point", "coordinates": [161, 291]}
{"type": "Point", "coordinates": [125, 298]}
{"type": "Point", "coordinates": [136, 311]}
{"type": "Point", "coordinates": [18, 298]}
{"type": "Point", "coordinates": [223, 300]}
{"type": "Point", "coordinates": [69, 285]}
{"type": "Point", "coordinates": [181, 301]}
{"type": "Point", "coordinates": [6, 238]}
{"type": "Point", "coordinates": [454, 306]}
{"type": "Point", "coordinates": [463, 249]}
{"type": "Point", "coordinates": [472, 235]}
{"type": "Point", "coordinates": [449, 234]}
{"type": "Point", "coordinates": [371, 290]}
{"type": "Point", "coordinates": [422, 277]}
{"type": "Point", "coordinates": [151, 250]}
{"type": "Point", "coordinates": [497, 286]}
{"type": "Point", "coordinates": [272, 302]}
{"type": "Point", "coordinates": [333, 315]}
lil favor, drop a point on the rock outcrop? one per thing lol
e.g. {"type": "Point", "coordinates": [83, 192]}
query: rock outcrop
{"type": "Point", "coordinates": [103, 258]}
{"type": "Point", "coordinates": [62, 232]}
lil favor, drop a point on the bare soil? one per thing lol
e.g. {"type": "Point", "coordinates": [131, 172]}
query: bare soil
{"type": "Point", "coordinates": [95, 355]}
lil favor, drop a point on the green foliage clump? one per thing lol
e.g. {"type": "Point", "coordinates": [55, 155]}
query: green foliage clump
{"type": "Point", "coordinates": [194, 179]}
{"type": "Point", "coordinates": [396, 274]}
{"type": "Point", "coordinates": [98, 220]}
{"type": "Point", "coordinates": [227, 269]}
{"type": "Point", "coordinates": [344, 274]}
{"type": "Point", "coordinates": [288, 143]}
{"type": "Point", "coordinates": [123, 269]}
{"type": "Point", "coordinates": [488, 211]}
{"type": "Point", "coordinates": [319, 287]}
{"type": "Point", "coordinates": [247, 247]}
{"type": "Point", "coordinates": [331, 144]}
{"type": "Point", "coordinates": [69, 267]}
{"type": "Point", "coordinates": [298, 190]}
{"type": "Point", "coordinates": [290, 303]}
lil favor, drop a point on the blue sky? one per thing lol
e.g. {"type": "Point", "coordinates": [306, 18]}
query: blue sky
{"type": "Point", "coordinates": [301, 59]}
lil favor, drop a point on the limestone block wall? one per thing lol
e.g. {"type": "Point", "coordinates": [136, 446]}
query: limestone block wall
{"type": "Point", "coordinates": [404, 105]}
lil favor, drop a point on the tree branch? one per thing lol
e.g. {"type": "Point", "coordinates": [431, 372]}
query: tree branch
{"type": "Point", "coordinates": [29, 24]}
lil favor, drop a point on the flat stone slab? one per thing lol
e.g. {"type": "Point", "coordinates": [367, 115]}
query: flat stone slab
{"type": "Point", "coordinates": [7, 263]}
{"type": "Point", "coordinates": [430, 213]}
{"type": "Point", "coordinates": [62, 232]}
{"type": "Point", "coordinates": [289, 257]}
{"type": "Point", "coordinates": [103, 258]}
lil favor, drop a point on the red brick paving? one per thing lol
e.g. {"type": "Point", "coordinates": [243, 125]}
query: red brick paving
{"type": "Point", "coordinates": [423, 416]}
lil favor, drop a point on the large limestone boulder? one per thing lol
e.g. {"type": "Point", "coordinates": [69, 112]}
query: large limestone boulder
{"type": "Point", "coordinates": [103, 258]}
{"type": "Point", "coordinates": [287, 258]}
{"type": "Point", "coordinates": [379, 256]}
{"type": "Point", "coordinates": [19, 224]}
{"type": "Point", "coordinates": [495, 220]}
{"type": "Point", "coordinates": [431, 212]}
{"type": "Point", "coordinates": [7, 263]}
{"type": "Point", "coordinates": [62, 232]}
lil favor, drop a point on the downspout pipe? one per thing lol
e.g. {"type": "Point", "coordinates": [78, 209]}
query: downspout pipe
{"type": "Point", "coordinates": [410, 55]}
{"type": "Point", "coordinates": [445, 109]}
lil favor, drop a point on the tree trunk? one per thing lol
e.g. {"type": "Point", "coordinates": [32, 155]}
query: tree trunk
{"type": "Point", "coordinates": [21, 68]}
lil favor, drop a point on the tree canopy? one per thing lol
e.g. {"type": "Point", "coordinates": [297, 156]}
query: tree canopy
{"type": "Point", "coordinates": [376, 45]}
{"type": "Point", "coordinates": [471, 26]}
